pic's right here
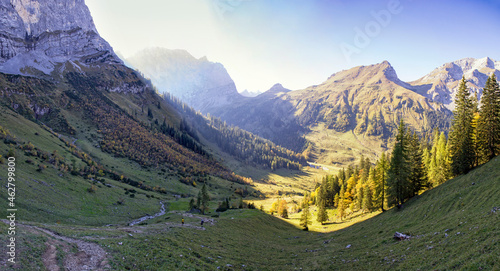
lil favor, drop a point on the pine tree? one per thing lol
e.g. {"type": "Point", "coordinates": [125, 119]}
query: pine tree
{"type": "Point", "coordinates": [461, 144]}
{"type": "Point", "coordinates": [399, 170]}
{"type": "Point", "coordinates": [488, 126]}
{"type": "Point", "coordinates": [305, 218]}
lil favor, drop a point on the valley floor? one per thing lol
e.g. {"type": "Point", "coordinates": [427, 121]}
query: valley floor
{"type": "Point", "coordinates": [454, 226]}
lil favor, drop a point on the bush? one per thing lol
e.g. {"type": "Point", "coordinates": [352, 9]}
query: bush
{"type": "Point", "coordinates": [92, 189]}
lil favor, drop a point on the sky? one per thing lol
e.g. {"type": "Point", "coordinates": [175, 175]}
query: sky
{"type": "Point", "coordinates": [300, 43]}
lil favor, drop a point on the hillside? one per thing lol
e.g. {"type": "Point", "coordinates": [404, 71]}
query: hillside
{"type": "Point", "coordinates": [454, 226]}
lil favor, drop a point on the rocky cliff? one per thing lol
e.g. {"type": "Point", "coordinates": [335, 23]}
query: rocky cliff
{"type": "Point", "coordinates": [200, 83]}
{"type": "Point", "coordinates": [442, 83]}
{"type": "Point", "coordinates": [38, 35]}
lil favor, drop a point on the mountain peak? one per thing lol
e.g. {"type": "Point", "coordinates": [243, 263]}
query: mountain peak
{"type": "Point", "coordinates": [371, 74]}
{"type": "Point", "coordinates": [442, 84]}
{"type": "Point", "coordinates": [277, 87]}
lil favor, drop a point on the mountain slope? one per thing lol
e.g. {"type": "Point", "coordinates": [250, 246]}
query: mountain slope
{"type": "Point", "coordinates": [453, 226]}
{"type": "Point", "coordinates": [353, 112]}
{"type": "Point", "coordinates": [102, 123]}
{"type": "Point", "coordinates": [198, 82]}
{"type": "Point", "coordinates": [442, 83]}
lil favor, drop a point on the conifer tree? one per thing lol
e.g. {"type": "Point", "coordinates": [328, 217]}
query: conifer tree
{"type": "Point", "coordinates": [488, 126]}
{"type": "Point", "coordinates": [204, 199]}
{"type": "Point", "coordinates": [399, 170]}
{"type": "Point", "coordinates": [305, 218]}
{"type": "Point", "coordinates": [418, 175]}
{"type": "Point", "coordinates": [322, 213]}
{"type": "Point", "coordinates": [342, 204]}
{"type": "Point", "coordinates": [461, 144]}
{"type": "Point", "coordinates": [367, 198]}
{"type": "Point", "coordinates": [381, 178]}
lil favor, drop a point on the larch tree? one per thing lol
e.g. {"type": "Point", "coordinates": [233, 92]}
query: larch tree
{"type": "Point", "coordinates": [342, 204]}
{"type": "Point", "coordinates": [461, 144]}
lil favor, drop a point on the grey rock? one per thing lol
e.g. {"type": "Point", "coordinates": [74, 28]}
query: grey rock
{"type": "Point", "coordinates": [38, 35]}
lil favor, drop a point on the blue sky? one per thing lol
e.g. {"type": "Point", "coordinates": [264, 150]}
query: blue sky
{"type": "Point", "coordinates": [300, 43]}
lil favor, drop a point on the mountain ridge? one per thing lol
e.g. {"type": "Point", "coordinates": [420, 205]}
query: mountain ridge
{"type": "Point", "coordinates": [441, 84]}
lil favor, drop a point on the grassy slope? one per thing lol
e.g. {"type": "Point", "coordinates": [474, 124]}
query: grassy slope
{"type": "Point", "coordinates": [454, 227]}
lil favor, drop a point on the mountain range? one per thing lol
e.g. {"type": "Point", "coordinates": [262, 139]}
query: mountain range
{"type": "Point", "coordinates": [354, 111]}
{"type": "Point", "coordinates": [107, 173]}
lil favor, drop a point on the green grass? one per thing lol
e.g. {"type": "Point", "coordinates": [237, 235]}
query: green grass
{"type": "Point", "coordinates": [454, 226]}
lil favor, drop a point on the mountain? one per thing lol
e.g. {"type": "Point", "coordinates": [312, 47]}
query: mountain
{"type": "Point", "coordinates": [87, 130]}
{"type": "Point", "coordinates": [442, 83]}
{"type": "Point", "coordinates": [38, 37]}
{"type": "Point", "coordinates": [198, 82]}
{"type": "Point", "coordinates": [353, 112]}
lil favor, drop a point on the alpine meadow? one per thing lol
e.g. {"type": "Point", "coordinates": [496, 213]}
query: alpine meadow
{"type": "Point", "coordinates": [123, 147]}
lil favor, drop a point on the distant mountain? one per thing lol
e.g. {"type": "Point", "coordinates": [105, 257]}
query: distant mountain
{"type": "Point", "coordinates": [198, 82]}
{"type": "Point", "coordinates": [442, 84]}
{"type": "Point", "coordinates": [247, 93]}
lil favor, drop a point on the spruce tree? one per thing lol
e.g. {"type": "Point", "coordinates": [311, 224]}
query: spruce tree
{"type": "Point", "coordinates": [399, 169]}
{"type": "Point", "coordinates": [322, 213]}
{"type": "Point", "coordinates": [418, 176]}
{"type": "Point", "coordinates": [367, 198]}
{"type": "Point", "coordinates": [305, 218]}
{"type": "Point", "coordinates": [381, 181]}
{"type": "Point", "coordinates": [488, 126]}
{"type": "Point", "coordinates": [461, 144]}
{"type": "Point", "coordinates": [204, 198]}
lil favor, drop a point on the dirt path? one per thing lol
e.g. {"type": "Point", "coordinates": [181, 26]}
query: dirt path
{"type": "Point", "coordinates": [144, 218]}
{"type": "Point", "coordinates": [89, 256]}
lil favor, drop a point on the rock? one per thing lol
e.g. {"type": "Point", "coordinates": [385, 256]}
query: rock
{"type": "Point", "coordinates": [401, 236]}
{"type": "Point", "coordinates": [41, 34]}
{"type": "Point", "coordinates": [348, 246]}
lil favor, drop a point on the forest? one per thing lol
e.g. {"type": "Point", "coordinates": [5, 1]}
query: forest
{"type": "Point", "coordinates": [239, 143]}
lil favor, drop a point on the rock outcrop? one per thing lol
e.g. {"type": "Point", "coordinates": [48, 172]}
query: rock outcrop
{"type": "Point", "coordinates": [441, 85]}
{"type": "Point", "coordinates": [38, 35]}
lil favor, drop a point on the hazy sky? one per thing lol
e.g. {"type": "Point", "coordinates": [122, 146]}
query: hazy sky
{"type": "Point", "coordinates": [300, 43]}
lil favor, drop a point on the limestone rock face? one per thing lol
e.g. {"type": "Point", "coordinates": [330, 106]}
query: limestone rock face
{"type": "Point", "coordinates": [200, 83]}
{"type": "Point", "coordinates": [37, 35]}
{"type": "Point", "coordinates": [441, 85]}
